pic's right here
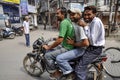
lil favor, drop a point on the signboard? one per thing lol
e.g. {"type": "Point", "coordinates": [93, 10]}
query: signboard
{"type": "Point", "coordinates": [76, 5]}
{"type": "Point", "coordinates": [32, 9]}
{"type": "Point", "coordinates": [12, 12]}
{"type": "Point", "coordinates": [24, 8]}
{"type": "Point", "coordinates": [12, 1]}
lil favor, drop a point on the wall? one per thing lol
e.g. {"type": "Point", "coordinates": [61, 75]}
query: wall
{"type": "Point", "coordinates": [1, 9]}
{"type": "Point", "coordinates": [2, 23]}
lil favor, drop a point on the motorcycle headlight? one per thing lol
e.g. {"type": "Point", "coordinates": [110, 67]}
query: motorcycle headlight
{"type": "Point", "coordinates": [37, 43]}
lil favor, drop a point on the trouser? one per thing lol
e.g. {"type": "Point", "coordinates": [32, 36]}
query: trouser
{"type": "Point", "coordinates": [51, 56]}
{"type": "Point", "coordinates": [90, 54]}
{"type": "Point", "coordinates": [27, 37]}
{"type": "Point", "coordinates": [62, 59]}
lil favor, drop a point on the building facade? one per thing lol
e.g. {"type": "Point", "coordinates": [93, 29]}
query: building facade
{"type": "Point", "coordinates": [17, 9]}
{"type": "Point", "coordinates": [11, 9]}
{"type": "Point", "coordinates": [104, 9]}
{"type": "Point", "coordinates": [29, 7]}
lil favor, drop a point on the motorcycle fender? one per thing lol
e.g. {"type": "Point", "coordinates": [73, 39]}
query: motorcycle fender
{"type": "Point", "coordinates": [92, 69]}
{"type": "Point", "coordinates": [11, 32]}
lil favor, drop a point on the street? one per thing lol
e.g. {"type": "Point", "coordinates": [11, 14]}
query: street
{"type": "Point", "coordinates": [12, 52]}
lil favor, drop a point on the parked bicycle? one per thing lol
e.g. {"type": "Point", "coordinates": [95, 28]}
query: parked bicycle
{"type": "Point", "coordinates": [35, 64]}
{"type": "Point", "coordinates": [112, 64]}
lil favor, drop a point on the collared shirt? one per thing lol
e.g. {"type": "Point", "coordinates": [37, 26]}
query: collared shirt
{"type": "Point", "coordinates": [66, 30]}
{"type": "Point", "coordinates": [95, 32]}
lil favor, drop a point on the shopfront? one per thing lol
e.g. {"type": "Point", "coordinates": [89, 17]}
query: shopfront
{"type": "Point", "coordinates": [13, 12]}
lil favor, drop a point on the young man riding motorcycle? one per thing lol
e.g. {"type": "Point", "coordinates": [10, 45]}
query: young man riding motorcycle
{"type": "Point", "coordinates": [80, 42]}
{"type": "Point", "coordinates": [66, 30]}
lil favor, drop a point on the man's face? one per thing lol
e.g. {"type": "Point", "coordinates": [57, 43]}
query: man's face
{"type": "Point", "coordinates": [88, 15]}
{"type": "Point", "coordinates": [71, 15]}
{"type": "Point", "coordinates": [59, 15]}
{"type": "Point", "coordinates": [74, 17]}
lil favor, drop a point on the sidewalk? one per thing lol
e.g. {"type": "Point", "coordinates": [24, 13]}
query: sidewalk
{"type": "Point", "coordinates": [114, 36]}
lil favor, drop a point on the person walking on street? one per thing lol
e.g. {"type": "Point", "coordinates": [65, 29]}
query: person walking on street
{"type": "Point", "coordinates": [96, 35]}
{"type": "Point", "coordinates": [66, 30]}
{"type": "Point", "coordinates": [26, 31]}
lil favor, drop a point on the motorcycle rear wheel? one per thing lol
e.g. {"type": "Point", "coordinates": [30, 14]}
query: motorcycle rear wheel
{"type": "Point", "coordinates": [95, 74]}
{"type": "Point", "coordinates": [20, 33]}
{"type": "Point", "coordinates": [33, 67]}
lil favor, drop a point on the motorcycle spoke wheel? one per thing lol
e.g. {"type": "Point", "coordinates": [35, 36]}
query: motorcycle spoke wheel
{"type": "Point", "coordinates": [95, 74]}
{"type": "Point", "coordinates": [20, 33]}
{"type": "Point", "coordinates": [33, 67]}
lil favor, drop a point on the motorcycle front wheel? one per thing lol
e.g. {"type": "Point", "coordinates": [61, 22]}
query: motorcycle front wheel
{"type": "Point", "coordinates": [12, 36]}
{"type": "Point", "coordinates": [33, 67]}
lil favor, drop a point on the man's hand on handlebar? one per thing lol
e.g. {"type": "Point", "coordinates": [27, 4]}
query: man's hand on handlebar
{"type": "Point", "coordinates": [46, 47]}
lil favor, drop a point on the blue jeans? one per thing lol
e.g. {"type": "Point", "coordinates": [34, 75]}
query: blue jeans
{"type": "Point", "coordinates": [62, 59]}
{"type": "Point", "coordinates": [27, 37]}
{"type": "Point", "coordinates": [50, 56]}
{"type": "Point", "coordinates": [87, 58]}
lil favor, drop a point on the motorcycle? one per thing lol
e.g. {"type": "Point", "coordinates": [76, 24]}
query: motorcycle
{"type": "Point", "coordinates": [8, 33]}
{"type": "Point", "coordinates": [18, 30]}
{"type": "Point", "coordinates": [35, 64]}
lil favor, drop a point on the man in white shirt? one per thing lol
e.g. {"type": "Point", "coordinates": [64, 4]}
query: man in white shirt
{"type": "Point", "coordinates": [96, 35]}
{"type": "Point", "coordinates": [26, 30]}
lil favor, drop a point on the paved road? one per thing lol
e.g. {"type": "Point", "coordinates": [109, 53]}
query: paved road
{"type": "Point", "coordinates": [13, 51]}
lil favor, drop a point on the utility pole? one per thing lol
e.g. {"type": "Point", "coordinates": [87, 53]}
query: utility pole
{"type": "Point", "coordinates": [116, 10]}
{"type": "Point", "coordinates": [49, 19]}
{"type": "Point", "coordinates": [110, 17]}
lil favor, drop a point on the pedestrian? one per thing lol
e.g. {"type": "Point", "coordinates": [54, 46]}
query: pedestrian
{"type": "Point", "coordinates": [96, 35]}
{"type": "Point", "coordinates": [26, 31]}
{"type": "Point", "coordinates": [80, 42]}
{"type": "Point", "coordinates": [66, 30]}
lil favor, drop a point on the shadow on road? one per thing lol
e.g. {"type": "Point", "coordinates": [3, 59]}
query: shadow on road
{"type": "Point", "coordinates": [36, 78]}
{"type": "Point", "coordinates": [22, 43]}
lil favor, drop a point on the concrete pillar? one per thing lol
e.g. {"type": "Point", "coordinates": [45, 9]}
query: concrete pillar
{"type": "Point", "coordinates": [1, 9]}
{"type": "Point", "coordinates": [35, 20]}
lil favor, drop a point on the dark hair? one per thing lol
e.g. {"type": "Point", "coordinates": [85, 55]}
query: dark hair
{"type": "Point", "coordinates": [93, 8]}
{"type": "Point", "coordinates": [63, 11]}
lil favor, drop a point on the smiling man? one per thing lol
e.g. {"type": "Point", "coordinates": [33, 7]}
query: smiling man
{"type": "Point", "coordinates": [96, 36]}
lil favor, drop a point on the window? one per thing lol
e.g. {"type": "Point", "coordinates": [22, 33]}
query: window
{"type": "Point", "coordinates": [106, 2]}
{"type": "Point", "coordinates": [31, 2]}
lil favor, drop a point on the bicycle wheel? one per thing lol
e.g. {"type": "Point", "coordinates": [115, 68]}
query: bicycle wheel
{"type": "Point", "coordinates": [112, 65]}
